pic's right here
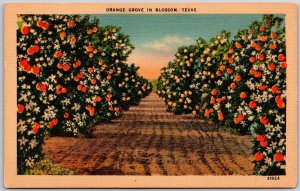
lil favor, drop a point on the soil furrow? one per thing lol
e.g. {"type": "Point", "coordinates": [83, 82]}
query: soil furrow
{"type": "Point", "coordinates": [148, 140]}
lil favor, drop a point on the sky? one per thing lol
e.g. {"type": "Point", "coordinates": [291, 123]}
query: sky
{"type": "Point", "coordinates": [156, 37]}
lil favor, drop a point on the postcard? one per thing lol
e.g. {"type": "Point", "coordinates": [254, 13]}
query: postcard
{"type": "Point", "coordinates": [150, 95]}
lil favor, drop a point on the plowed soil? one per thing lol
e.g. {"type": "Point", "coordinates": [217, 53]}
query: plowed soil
{"type": "Point", "coordinates": [147, 140]}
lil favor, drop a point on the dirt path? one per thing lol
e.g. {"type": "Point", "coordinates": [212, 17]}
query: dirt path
{"type": "Point", "coordinates": [147, 140]}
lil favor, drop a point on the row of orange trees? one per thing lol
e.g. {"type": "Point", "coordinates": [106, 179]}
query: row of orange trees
{"type": "Point", "coordinates": [238, 85]}
{"type": "Point", "coordinates": [72, 73]}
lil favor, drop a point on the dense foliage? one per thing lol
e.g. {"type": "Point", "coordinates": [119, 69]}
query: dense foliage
{"type": "Point", "coordinates": [72, 73]}
{"type": "Point", "coordinates": [238, 85]}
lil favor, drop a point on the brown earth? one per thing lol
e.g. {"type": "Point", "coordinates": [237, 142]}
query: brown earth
{"type": "Point", "coordinates": [147, 140]}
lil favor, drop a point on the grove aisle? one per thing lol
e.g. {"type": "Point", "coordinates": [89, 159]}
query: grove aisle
{"type": "Point", "coordinates": [148, 140]}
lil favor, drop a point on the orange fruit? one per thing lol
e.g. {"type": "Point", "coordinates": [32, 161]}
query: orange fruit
{"type": "Point", "coordinates": [21, 108]}
{"type": "Point", "coordinates": [281, 105]}
{"type": "Point", "coordinates": [66, 115]}
{"type": "Point", "coordinates": [233, 86]}
{"type": "Point", "coordinates": [271, 67]}
{"type": "Point", "coordinates": [83, 89]}
{"type": "Point", "coordinates": [240, 117]}
{"type": "Point", "coordinates": [38, 86]}
{"type": "Point", "coordinates": [90, 70]}
{"type": "Point", "coordinates": [236, 121]}
{"type": "Point", "coordinates": [262, 28]}
{"type": "Point", "coordinates": [252, 59]}
{"type": "Point", "coordinates": [260, 138]}
{"type": "Point", "coordinates": [238, 78]}
{"type": "Point", "coordinates": [262, 87]}
{"type": "Point", "coordinates": [261, 57]}
{"type": "Point", "coordinates": [212, 100]}
{"type": "Point", "coordinates": [25, 30]}
{"type": "Point", "coordinates": [206, 113]}
{"type": "Point", "coordinates": [279, 157]}
{"type": "Point", "coordinates": [58, 54]}
{"type": "Point", "coordinates": [219, 100]}
{"type": "Point", "coordinates": [243, 95]}
{"type": "Point", "coordinates": [63, 34]}
{"type": "Point", "coordinates": [257, 47]}
{"type": "Point", "coordinates": [66, 67]}
{"type": "Point", "coordinates": [252, 71]}
{"type": "Point", "coordinates": [252, 104]}
{"type": "Point", "coordinates": [257, 74]}
{"type": "Point", "coordinates": [93, 81]}
{"type": "Point", "coordinates": [89, 31]}
{"type": "Point", "coordinates": [214, 92]}
{"type": "Point", "coordinates": [264, 120]}
{"type": "Point", "coordinates": [278, 99]}
{"type": "Point", "coordinates": [281, 57]}
{"type": "Point", "coordinates": [244, 37]}
{"type": "Point", "coordinates": [35, 128]}
{"type": "Point", "coordinates": [95, 29]}
{"type": "Point", "coordinates": [253, 44]}
{"type": "Point", "coordinates": [225, 57]}
{"type": "Point", "coordinates": [31, 51]}
{"type": "Point", "coordinates": [88, 107]}
{"type": "Point", "coordinates": [273, 46]}
{"type": "Point", "coordinates": [43, 87]}
{"type": "Point", "coordinates": [230, 51]}
{"type": "Point", "coordinates": [73, 40]}
{"type": "Point", "coordinates": [238, 45]}
{"type": "Point", "coordinates": [35, 69]}
{"type": "Point", "coordinates": [220, 116]}
{"type": "Point", "coordinates": [223, 98]}
{"type": "Point", "coordinates": [55, 121]}
{"type": "Point", "coordinates": [71, 24]}
{"type": "Point", "coordinates": [60, 65]}
{"type": "Point", "coordinates": [273, 35]}
{"type": "Point", "coordinates": [89, 48]}
{"type": "Point", "coordinates": [229, 71]}
{"type": "Point", "coordinates": [258, 157]}
{"type": "Point", "coordinates": [36, 48]}
{"type": "Point", "coordinates": [275, 89]}
{"type": "Point", "coordinates": [231, 60]}
{"type": "Point", "coordinates": [79, 87]}
{"type": "Point", "coordinates": [218, 73]}
{"type": "Point", "coordinates": [80, 75]}
{"type": "Point", "coordinates": [222, 68]}
{"type": "Point", "coordinates": [46, 25]}
{"type": "Point", "coordinates": [97, 99]}
{"type": "Point", "coordinates": [39, 23]}
{"type": "Point", "coordinates": [264, 143]}
{"type": "Point", "coordinates": [64, 90]}
{"type": "Point", "coordinates": [77, 63]}
{"type": "Point", "coordinates": [283, 65]}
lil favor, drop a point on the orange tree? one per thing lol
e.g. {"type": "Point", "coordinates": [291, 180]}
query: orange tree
{"type": "Point", "coordinates": [257, 92]}
{"type": "Point", "coordinates": [174, 84]}
{"type": "Point", "coordinates": [45, 50]}
{"type": "Point", "coordinates": [69, 70]}
{"type": "Point", "coordinates": [241, 86]}
{"type": "Point", "coordinates": [215, 73]}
